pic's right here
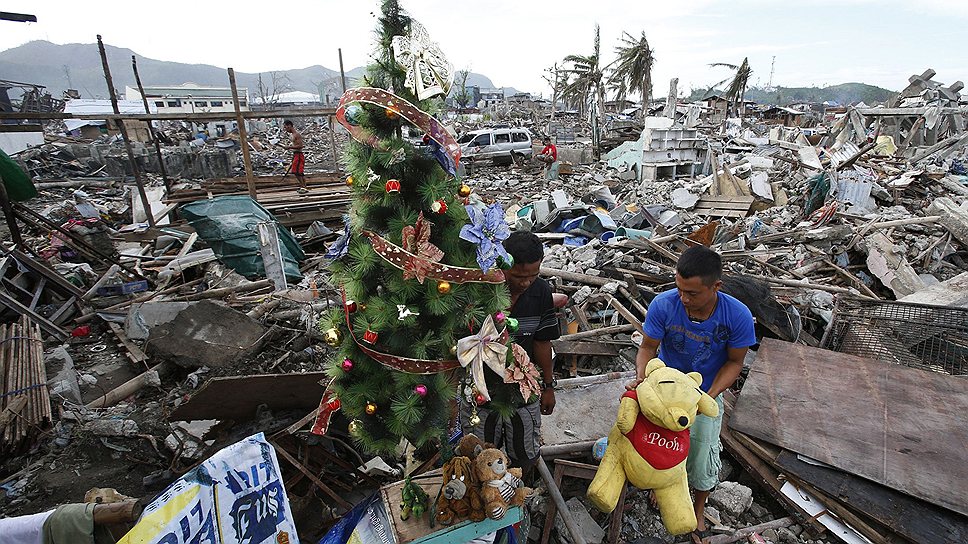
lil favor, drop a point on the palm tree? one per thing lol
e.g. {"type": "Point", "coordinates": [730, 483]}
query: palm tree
{"type": "Point", "coordinates": [588, 77]}
{"type": "Point", "coordinates": [633, 69]}
{"type": "Point", "coordinates": [736, 92]}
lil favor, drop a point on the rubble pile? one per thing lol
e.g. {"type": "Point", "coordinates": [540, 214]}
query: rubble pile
{"type": "Point", "coordinates": [166, 343]}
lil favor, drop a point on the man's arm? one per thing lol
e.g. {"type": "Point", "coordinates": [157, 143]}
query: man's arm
{"type": "Point", "coordinates": [647, 351]}
{"type": "Point", "coordinates": [729, 372]}
{"type": "Point", "coordinates": [542, 356]}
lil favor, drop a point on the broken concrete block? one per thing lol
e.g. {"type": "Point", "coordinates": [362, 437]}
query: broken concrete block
{"type": "Point", "coordinates": [953, 217]}
{"type": "Point", "coordinates": [732, 498]}
{"type": "Point", "coordinates": [682, 198]}
{"type": "Point", "coordinates": [207, 333]}
{"type": "Point", "coordinates": [591, 531]}
{"type": "Point", "coordinates": [891, 267]}
{"type": "Point", "coordinates": [144, 316]}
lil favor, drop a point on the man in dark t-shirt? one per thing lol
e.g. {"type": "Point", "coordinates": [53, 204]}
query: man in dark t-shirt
{"type": "Point", "coordinates": [509, 421]}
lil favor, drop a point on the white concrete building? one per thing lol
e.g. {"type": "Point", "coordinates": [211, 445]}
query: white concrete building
{"type": "Point", "coordinates": [194, 98]}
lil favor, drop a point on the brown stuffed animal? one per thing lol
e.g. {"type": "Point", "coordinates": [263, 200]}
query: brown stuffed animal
{"type": "Point", "coordinates": [501, 487]}
{"type": "Point", "coordinates": [470, 446]}
{"type": "Point", "coordinates": [460, 496]}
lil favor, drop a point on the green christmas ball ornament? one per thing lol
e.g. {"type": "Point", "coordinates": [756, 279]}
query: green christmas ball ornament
{"type": "Point", "coordinates": [505, 263]}
{"type": "Point", "coordinates": [354, 113]}
{"type": "Point", "coordinates": [512, 325]}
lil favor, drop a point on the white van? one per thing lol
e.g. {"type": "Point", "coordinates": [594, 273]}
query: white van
{"type": "Point", "coordinates": [495, 143]}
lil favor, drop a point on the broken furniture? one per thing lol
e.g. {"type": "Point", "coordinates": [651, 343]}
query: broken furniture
{"type": "Point", "coordinates": [582, 471]}
{"type": "Point", "coordinates": [26, 284]}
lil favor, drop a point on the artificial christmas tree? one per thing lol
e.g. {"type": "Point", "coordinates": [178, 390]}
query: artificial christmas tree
{"type": "Point", "coordinates": [420, 261]}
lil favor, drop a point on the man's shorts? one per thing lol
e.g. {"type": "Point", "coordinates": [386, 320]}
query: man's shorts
{"type": "Point", "coordinates": [298, 164]}
{"type": "Point", "coordinates": [703, 463]}
{"type": "Point", "coordinates": [519, 436]}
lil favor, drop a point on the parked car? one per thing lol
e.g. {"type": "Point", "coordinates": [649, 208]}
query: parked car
{"type": "Point", "coordinates": [495, 143]}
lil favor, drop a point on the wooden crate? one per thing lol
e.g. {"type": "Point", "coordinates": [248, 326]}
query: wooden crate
{"type": "Point", "coordinates": [418, 530]}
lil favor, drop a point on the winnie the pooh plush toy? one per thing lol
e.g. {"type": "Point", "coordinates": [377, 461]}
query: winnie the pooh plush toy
{"type": "Point", "coordinates": [649, 444]}
{"type": "Point", "coordinates": [501, 486]}
{"type": "Point", "coordinates": [460, 495]}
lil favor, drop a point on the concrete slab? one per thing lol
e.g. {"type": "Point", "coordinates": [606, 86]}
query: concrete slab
{"type": "Point", "coordinates": [206, 333]}
{"type": "Point", "coordinates": [144, 316]}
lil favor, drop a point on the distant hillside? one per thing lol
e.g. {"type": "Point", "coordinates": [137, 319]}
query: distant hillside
{"type": "Point", "coordinates": [845, 93]}
{"type": "Point", "coordinates": [48, 64]}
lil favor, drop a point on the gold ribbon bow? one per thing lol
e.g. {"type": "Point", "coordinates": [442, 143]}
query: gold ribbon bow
{"type": "Point", "coordinates": [485, 347]}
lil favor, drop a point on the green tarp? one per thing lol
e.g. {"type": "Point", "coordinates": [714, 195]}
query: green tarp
{"type": "Point", "coordinates": [16, 181]}
{"type": "Point", "coordinates": [229, 225]}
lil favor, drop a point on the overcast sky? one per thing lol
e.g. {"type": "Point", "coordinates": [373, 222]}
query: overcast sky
{"type": "Point", "coordinates": [880, 42]}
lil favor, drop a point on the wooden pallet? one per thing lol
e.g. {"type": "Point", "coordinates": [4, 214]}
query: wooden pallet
{"type": "Point", "coordinates": [724, 206]}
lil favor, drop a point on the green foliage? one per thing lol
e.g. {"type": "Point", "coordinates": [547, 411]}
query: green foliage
{"type": "Point", "coordinates": [632, 71]}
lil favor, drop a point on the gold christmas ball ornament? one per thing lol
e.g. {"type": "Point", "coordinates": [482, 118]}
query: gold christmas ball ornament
{"type": "Point", "coordinates": [453, 349]}
{"type": "Point", "coordinates": [443, 287]}
{"type": "Point", "coordinates": [475, 420]}
{"type": "Point", "coordinates": [333, 337]}
{"type": "Point", "coordinates": [464, 191]}
{"type": "Point", "coordinates": [370, 408]}
{"type": "Point", "coordinates": [349, 180]}
{"type": "Point", "coordinates": [355, 427]}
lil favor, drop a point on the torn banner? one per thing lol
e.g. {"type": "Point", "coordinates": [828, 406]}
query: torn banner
{"type": "Point", "coordinates": [235, 496]}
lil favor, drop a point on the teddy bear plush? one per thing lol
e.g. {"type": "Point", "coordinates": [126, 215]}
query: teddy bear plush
{"type": "Point", "coordinates": [470, 445]}
{"type": "Point", "coordinates": [649, 444]}
{"type": "Point", "coordinates": [460, 495]}
{"type": "Point", "coordinates": [501, 486]}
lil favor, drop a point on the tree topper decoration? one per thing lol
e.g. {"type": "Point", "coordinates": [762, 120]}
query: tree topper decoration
{"type": "Point", "coordinates": [488, 230]}
{"type": "Point", "coordinates": [429, 73]}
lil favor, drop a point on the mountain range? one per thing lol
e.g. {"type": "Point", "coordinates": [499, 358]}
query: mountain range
{"type": "Point", "coordinates": [78, 66]}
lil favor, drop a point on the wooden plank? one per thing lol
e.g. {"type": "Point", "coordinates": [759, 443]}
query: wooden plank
{"type": "Point", "coordinates": [237, 397]}
{"type": "Point", "coordinates": [910, 517]}
{"type": "Point", "coordinates": [48, 326]}
{"type": "Point", "coordinates": [880, 421]}
{"type": "Point", "coordinates": [566, 347]}
{"type": "Point", "coordinates": [762, 473]}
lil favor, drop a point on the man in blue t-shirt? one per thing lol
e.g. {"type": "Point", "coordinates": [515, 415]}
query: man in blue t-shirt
{"type": "Point", "coordinates": [695, 328]}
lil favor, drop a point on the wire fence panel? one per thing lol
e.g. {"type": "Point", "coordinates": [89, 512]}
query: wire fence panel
{"type": "Point", "coordinates": [932, 338]}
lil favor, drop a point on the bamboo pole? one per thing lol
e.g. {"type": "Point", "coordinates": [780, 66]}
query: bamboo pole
{"type": "Point", "coordinates": [243, 138]}
{"type": "Point", "coordinates": [124, 133]}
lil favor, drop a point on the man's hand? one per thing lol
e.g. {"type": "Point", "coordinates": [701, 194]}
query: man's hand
{"type": "Point", "coordinates": [630, 386]}
{"type": "Point", "coordinates": [548, 401]}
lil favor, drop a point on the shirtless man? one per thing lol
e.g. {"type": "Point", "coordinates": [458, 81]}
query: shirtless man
{"type": "Point", "coordinates": [298, 158]}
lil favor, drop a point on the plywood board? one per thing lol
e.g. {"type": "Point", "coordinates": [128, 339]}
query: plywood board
{"type": "Point", "coordinates": [898, 426]}
{"type": "Point", "coordinates": [914, 519]}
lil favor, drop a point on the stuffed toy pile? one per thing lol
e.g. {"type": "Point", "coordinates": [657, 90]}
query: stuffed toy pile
{"type": "Point", "coordinates": [478, 483]}
{"type": "Point", "coordinates": [649, 444]}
